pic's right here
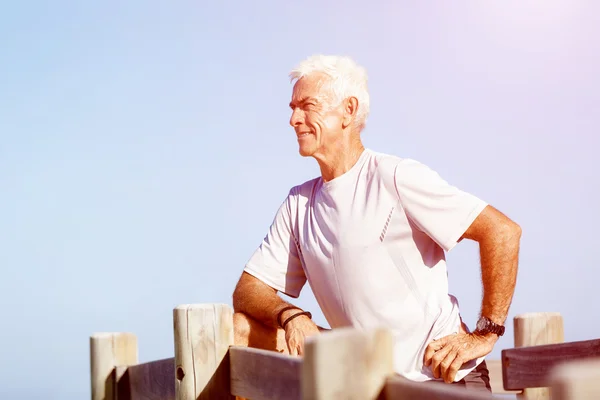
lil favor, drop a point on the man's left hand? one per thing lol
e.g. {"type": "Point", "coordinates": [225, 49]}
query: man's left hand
{"type": "Point", "coordinates": [446, 355]}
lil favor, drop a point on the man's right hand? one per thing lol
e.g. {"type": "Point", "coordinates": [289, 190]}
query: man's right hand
{"type": "Point", "coordinates": [296, 331]}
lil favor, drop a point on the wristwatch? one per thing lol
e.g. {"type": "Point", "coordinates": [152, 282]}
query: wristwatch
{"type": "Point", "coordinates": [485, 326]}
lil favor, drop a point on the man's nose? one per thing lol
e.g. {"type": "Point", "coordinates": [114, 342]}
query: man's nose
{"type": "Point", "coordinates": [296, 118]}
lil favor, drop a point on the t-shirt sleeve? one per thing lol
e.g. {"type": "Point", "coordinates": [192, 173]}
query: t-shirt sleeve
{"type": "Point", "coordinates": [440, 210]}
{"type": "Point", "coordinates": [276, 261]}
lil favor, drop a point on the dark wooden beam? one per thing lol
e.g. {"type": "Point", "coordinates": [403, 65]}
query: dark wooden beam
{"type": "Point", "coordinates": [399, 388]}
{"type": "Point", "coordinates": [530, 367]}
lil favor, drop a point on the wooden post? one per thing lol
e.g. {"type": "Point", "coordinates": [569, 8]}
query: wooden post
{"type": "Point", "coordinates": [534, 329]}
{"type": "Point", "coordinates": [347, 364]}
{"type": "Point", "coordinates": [108, 351]}
{"type": "Point", "coordinates": [576, 380]}
{"type": "Point", "coordinates": [203, 334]}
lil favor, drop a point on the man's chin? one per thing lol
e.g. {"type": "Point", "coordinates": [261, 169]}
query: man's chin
{"type": "Point", "coordinates": [304, 152]}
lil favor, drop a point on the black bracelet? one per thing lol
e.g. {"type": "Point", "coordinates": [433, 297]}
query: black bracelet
{"type": "Point", "coordinates": [307, 313]}
{"type": "Point", "coordinates": [282, 311]}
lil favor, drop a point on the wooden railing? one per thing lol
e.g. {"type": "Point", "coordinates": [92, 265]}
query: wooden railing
{"type": "Point", "coordinates": [339, 364]}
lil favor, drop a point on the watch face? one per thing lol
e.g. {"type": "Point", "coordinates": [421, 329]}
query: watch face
{"type": "Point", "coordinates": [481, 324]}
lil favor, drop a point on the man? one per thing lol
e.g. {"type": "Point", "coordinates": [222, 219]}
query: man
{"type": "Point", "coordinates": [370, 236]}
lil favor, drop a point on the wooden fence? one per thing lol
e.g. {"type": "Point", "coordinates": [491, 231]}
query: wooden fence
{"type": "Point", "coordinates": [339, 364]}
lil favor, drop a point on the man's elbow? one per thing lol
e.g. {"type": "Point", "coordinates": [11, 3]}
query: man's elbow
{"type": "Point", "coordinates": [238, 301]}
{"type": "Point", "coordinates": [517, 231]}
{"type": "Point", "coordinates": [247, 290]}
{"type": "Point", "coordinates": [239, 293]}
{"type": "Point", "coordinates": [510, 231]}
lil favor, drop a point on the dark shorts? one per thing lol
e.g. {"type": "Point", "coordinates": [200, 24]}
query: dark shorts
{"type": "Point", "coordinates": [476, 380]}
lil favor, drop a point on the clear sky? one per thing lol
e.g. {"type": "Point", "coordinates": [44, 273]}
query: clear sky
{"type": "Point", "coordinates": [145, 147]}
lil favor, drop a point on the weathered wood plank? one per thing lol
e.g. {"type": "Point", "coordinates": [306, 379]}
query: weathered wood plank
{"type": "Point", "coordinates": [107, 351]}
{"type": "Point", "coordinates": [153, 380]}
{"type": "Point", "coordinates": [265, 375]}
{"type": "Point", "coordinates": [530, 367]}
{"type": "Point", "coordinates": [536, 329]}
{"type": "Point", "coordinates": [574, 380]}
{"type": "Point", "coordinates": [399, 388]}
{"type": "Point", "coordinates": [347, 364]}
{"type": "Point", "coordinates": [495, 369]}
{"type": "Point", "coordinates": [203, 334]}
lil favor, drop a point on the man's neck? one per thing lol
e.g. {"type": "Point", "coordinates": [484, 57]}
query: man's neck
{"type": "Point", "coordinates": [340, 160]}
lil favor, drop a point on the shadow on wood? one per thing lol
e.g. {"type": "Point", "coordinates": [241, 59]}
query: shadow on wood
{"type": "Point", "coordinates": [107, 351]}
{"type": "Point", "coordinates": [218, 386]}
{"type": "Point", "coordinates": [203, 334]}
{"type": "Point", "coordinates": [149, 381]}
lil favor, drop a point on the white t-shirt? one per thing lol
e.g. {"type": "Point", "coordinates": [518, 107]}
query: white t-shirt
{"type": "Point", "coordinates": [371, 244]}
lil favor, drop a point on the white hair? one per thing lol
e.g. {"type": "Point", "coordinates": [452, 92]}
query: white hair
{"type": "Point", "coordinates": [347, 79]}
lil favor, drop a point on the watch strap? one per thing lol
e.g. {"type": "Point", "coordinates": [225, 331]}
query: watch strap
{"type": "Point", "coordinates": [489, 327]}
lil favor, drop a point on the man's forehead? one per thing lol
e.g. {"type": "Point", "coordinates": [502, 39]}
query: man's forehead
{"type": "Point", "coordinates": [311, 86]}
{"type": "Point", "coordinates": [316, 79]}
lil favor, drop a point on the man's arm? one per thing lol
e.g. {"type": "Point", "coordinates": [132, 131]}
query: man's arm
{"type": "Point", "coordinates": [499, 240]}
{"type": "Point", "coordinates": [260, 301]}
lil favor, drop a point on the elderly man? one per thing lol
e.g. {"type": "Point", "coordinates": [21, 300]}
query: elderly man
{"type": "Point", "coordinates": [370, 235]}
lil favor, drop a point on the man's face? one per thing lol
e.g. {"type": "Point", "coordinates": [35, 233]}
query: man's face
{"type": "Point", "coordinates": [316, 120]}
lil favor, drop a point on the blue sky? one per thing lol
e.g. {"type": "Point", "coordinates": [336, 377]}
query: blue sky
{"type": "Point", "coordinates": [144, 149]}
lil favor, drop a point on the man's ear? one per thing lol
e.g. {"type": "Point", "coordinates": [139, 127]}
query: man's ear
{"type": "Point", "coordinates": [350, 110]}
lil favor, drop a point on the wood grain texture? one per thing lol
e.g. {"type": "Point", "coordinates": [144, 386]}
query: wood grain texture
{"type": "Point", "coordinates": [203, 334]}
{"type": "Point", "coordinates": [107, 351]}
{"type": "Point", "coordinates": [576, 380]}
{"type": "Point", "coordinates": [265, 375]}
{"type": "Point", "coordinates": [530, 367]}
{"type": "Point", "coordinates": [399, 388]}
{"type": "Point", "coordinates": [347, 364]}
{"type": "Point", "coordinates": [153, 380]}
{"type": "Point", "coordinates": [533, 329]}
